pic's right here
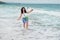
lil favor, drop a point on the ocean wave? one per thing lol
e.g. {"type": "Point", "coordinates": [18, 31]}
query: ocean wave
{"type": "Point", "coordinates": [49, 12]}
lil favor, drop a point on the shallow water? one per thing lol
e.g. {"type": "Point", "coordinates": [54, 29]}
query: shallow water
{"type": "Point", "coordinates": [43, 24]}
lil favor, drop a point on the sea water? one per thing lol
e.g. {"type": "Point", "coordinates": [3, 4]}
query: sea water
{"type": "Point", "coordinates": [44, 22]}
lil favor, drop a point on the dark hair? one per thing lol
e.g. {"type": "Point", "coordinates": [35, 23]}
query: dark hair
{"type": "Point", "coordinates": [24, 10]}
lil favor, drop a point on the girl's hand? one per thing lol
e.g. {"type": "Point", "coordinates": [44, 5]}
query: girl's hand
{"type": "Point", "coordinates": [30, 11]}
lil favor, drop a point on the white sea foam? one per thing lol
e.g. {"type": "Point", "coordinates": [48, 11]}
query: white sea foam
{"type": "Point", "coordinates": [40, 27]}
{"type": "Point", "coordinates": [51, 12]}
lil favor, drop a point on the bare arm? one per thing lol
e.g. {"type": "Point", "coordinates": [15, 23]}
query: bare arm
{"type": "Point", "coordinates": [30, 11]}
{"type": "Point", "coordinates": [19, 17]}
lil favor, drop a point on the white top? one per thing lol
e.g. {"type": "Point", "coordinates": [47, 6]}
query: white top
{"type": "Point", "coordinates": [25, 15]}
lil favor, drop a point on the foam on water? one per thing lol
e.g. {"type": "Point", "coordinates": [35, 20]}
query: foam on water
{"type": "Point", "coordinates": [54, 13]}
{"type": "Point", "coordinates": [43, 24]}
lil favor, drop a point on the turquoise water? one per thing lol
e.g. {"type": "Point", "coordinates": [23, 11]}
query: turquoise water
{"type": "Point", "coordinates": [44, 6]}
{"type": "Point", "coordinates": [45, 18]}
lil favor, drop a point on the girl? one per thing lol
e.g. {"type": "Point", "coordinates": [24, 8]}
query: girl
{"type": "Point", "coordinates": [24, 16]}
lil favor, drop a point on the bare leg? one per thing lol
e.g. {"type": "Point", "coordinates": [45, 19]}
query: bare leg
{"type": "Point", "coordinates": [26, 25]}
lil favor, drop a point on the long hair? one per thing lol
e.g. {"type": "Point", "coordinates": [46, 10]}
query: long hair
{"type": "Point", "coordinates": [24, 10]}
